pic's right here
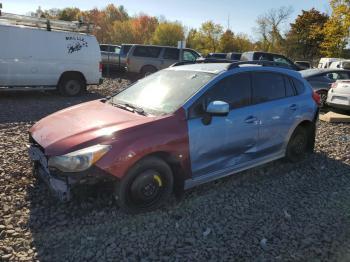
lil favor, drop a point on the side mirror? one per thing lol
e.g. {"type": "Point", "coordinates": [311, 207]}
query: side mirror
{"type": "Point", "coordinates": [218, 108]}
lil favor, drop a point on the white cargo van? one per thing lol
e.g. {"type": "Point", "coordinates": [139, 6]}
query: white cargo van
{"type": "Point", "coordinates": [325, 62]}
{"type": "Point", "coordinates": [344, 64]}
{"type": "Point", "coordinates": [48, 59]}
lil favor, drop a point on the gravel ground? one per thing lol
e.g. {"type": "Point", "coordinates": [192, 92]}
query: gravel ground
{"type": "Point", "coordinates": [278, 212]}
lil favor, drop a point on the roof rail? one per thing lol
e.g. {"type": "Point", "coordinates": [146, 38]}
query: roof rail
{"type": "Point", "coordinates": [203, 61]}
{"type": "Point", "coordinates": [59, 25]}
{"type": "Point", "coordinates": [257, 62]}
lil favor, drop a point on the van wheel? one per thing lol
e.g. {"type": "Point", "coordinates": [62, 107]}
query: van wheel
{"type": "Point", "coordinates": [71, 85]}
{"type": "Point", "coordinates": [148, 70]}
{"type": "Point", "coordinates": [146, 186]}
{"type": "Point", "coordinates": [297, 145]}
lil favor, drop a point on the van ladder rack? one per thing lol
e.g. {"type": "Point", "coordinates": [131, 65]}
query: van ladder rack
{"type": "Point", "coordinates": [48, 24]}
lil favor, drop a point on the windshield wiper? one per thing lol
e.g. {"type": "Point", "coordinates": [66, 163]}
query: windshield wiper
{"type": "Point", "coordinates": [129, 107]}
{"type": "Point", "coordinates": [136, 109]}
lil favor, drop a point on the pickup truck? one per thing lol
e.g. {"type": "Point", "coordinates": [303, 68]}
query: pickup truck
{"type": "Point", "coordinates": [114, 56]}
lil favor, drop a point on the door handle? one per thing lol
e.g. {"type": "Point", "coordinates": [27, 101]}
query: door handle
{"type": "Point", "coordinates": [250, 119]}
{"type": "Point", "coordinates": [293, 107]}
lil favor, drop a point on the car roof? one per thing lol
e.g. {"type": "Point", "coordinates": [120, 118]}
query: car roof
{"type": "Point", "coordinates": [218, 68]}
{"type": "Point", "coordinates": [317, 71]}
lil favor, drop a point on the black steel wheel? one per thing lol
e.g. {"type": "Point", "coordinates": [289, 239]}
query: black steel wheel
{"type": "Point", "coordinates": [145, 187]}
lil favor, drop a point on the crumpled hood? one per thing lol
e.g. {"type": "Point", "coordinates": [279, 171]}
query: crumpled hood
{"type": "Point", "coordinates": [75, 127]}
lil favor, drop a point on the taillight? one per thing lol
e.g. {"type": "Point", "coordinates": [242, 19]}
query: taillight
{"type": "Point", "coordinates": [334, 85]}
{"type": "Point", "coordinates": [100, 67]}
{"type": "Point", "coordinates": [316, 97]}
{"type": "Point", "coordinates": [127, 61]}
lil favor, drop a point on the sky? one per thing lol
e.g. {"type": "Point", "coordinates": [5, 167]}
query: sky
{"type": "Point", "coordinates": [191, 13]}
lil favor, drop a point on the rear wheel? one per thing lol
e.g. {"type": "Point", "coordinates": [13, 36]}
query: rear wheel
{"type": "Point", "coordinates": [71, 85]}
{"type": "Point", "coordinates": [148, 70]}
{"type": "Point", "coordinates": [297, 145]}
{"type": "Point", "coordinates": [146, 186]}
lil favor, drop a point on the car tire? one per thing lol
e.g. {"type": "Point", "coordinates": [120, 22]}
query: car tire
{"type": "Point", "coordinates": [297, 145]}
{"type": "Point", "coordinates": [71, 85]}
{"type": "Point", "coordinates": [148, 70]}
{"type": "Point", "coordinates": [146, 186]}
{"type": "Point", "coordinates": [323, 99]}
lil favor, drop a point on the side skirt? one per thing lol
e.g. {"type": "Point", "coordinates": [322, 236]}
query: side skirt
{"type": "Point", "coordinates": [201, 179]}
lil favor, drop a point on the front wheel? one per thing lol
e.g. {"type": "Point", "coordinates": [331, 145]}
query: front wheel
{"type": "Point", "coordinates": [146, 186]}
{"type": "Point", "coordinates": [297, 145]}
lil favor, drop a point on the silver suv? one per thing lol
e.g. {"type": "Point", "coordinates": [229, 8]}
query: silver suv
{"type": "Point", "coordinates": [147, 59]}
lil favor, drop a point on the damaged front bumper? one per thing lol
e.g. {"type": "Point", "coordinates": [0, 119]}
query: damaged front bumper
{"type": "Point", "coordinates": [61, 183]}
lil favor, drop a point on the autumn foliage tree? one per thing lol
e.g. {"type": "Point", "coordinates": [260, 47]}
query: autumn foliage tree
{"type": "Point", "coordinates": [337, 29]}
{"type": "Point", "coordinates": [306, 35]}
{"type": "Point", "coordinates": [168, 33]}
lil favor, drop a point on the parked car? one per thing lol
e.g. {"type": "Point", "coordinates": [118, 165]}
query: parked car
{"type": "Point", "coordinates": [234, 56]}
{"type": "Point", "coordinates": [42, 59]}
{"type": "Point", "coordinates": [303, 64]}
{"type": "Point", "coordinates": [110, 55]}
{"type": "Point", "coordinates": [147, 59]}
{"type": "Point", "coordinates": [321, 80]}
{"type": "Point", "coordinates": [339, 95]}
{"type": "Point", "coordinates": [175, 129]}
{"type": "Point", "coordinates": [280, 59]}
{"type": "Point", "coordinates": [325, 62]}
{"type": "Point", "coordinates": [344, 64]}
{"type": "Point", "coordinates": [217, 55]}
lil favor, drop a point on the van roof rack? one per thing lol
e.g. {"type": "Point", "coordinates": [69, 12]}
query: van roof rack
{"type": "Point", "coordinates": [48, 24]}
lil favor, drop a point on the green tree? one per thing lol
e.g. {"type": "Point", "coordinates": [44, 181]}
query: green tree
{"type": "Point", "coordinates": [337, 29]}
{"type": "Point", "coordinates": [242, 43]}
{"type": "Point", "coordinates": [306, 35]}
{"type": "Point", "coordinates": [227, 42]}
{"type": "Point", "coordinates": [210, 33]}
{"type": "Point", "coordinates": [168, 33]}
{"type": "Point", "coordinates": [69, 14]}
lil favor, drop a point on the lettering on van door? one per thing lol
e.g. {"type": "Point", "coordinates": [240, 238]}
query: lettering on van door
{"type": "Point", "coordinates": [75, 43]}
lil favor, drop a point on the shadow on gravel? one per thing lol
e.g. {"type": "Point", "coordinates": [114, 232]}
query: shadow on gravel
{"type": "Point", "coordinates": [28, 106]}
{"type": "Point", "coordinates": [302, 211]}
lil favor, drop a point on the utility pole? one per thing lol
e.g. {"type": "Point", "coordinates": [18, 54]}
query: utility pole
{"type": "Point", "coordinates": [228, 22]}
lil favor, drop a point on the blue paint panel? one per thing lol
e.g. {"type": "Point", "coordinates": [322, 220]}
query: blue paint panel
{"type": "Point", "coordinates": [233, 142]}
{"type": "Point", "coordinates": [226, 142]}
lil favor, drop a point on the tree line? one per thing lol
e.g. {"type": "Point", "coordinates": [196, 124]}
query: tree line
{"type": "Point", "coordinates": [313, 34]}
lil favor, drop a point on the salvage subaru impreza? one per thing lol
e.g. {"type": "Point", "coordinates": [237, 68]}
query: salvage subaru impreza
{"type": "Point", "coordinates": [176, 129]}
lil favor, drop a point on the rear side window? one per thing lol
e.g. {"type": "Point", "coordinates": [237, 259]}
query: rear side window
{"type": "Point", "coordinates": [125, 49]}
{"type": "Point", "coordinates": [147, 51]}
{"type": "Point", "coordinates": [104, 48]}
{"type": "Point", "coordinates": [267, 86]}
{"type": "Point", "coordinates": [171, 53]}
{"type": "Point", "coordinates": [289, 87]}
{"type": "Point", "coordinates": [299, 86]}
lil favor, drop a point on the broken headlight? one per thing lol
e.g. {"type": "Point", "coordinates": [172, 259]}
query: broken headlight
{"type": "Point", "coordinates": [80, 160]}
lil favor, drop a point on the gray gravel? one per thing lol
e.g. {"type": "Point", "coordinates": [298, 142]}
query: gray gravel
{"type": "Point", "coordinates": [278, 212]}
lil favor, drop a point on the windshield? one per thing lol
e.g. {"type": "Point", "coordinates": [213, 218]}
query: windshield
{"type": "Point", "coordinates": [163, 92]}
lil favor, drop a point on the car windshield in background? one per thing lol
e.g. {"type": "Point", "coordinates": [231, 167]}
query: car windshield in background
{"type": "Point", "coordinates": [163, 92]}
